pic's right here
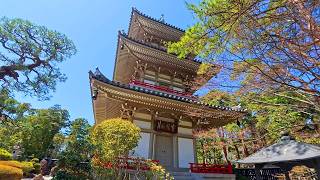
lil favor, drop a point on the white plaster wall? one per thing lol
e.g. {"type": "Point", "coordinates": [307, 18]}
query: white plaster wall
{"type": "Point", "coordinates": [142, 116]}
{"type": "Point", "coordinates": [185, 123]}
{"type": "Point", "coordinates": [142, 150]}
{"type": "Point", "coordinates": [186, 131]}
{"type": "Point", "coordinates": [185, 152]}
{"type": "Point", "coordinates": [142, 124]}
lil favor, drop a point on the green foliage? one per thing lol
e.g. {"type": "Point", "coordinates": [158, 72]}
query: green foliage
{"type": "Point", "coordinates": [30, 55]}
{"type": "Point", "coordinates": [63, 174]}
{"type": "Point", "coordinates": [10, 107]}
{"type": "Point", "coordinates": [204, 68]}
{"type": "Point", "coordinates": [58, 144]}
{"type": "Point", "coordinates": [5, 155]}
{"type": "Point", "coordinates": [27, 167]}
{"type": "Point", "coordinates": [273, 119]}
{"type": "Point", "coordinates": [74, 161]}
{"type": "Point", "coordinates": [261, 46]}
{"type": "Point", "coordinates": [37, 167]}
{"type": "Point", "coordinates": [11, 111]}
{"type": "Point", "coordinates": [114, 137]}
{"type": "Point", "coordinates": [39, 129]}
{"type": "Point", "coordinates": [262, 126]}
{"type": "Point", "coordinates": [159, 172]}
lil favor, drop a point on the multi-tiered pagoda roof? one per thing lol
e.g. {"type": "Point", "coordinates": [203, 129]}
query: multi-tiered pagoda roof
{"type": "Point", "coordinates": [137, 52]}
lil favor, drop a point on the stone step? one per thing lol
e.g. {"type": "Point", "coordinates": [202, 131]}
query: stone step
{"type": "Point", "coordinates": [183, 178]}
{"type": "Point", "coordinates": [182, 175]}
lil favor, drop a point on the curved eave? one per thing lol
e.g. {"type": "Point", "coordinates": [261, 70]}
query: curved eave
{"type": "Point", "coordinates": [91, 95]}
{"type": "Point", "coordinates": [152, 55]}
{"type": "Point", "coordinates": [128, 47]}
{"type": "Point", "coordinates": [161, 53]}
{"type": "Point", "coordinates": [219, 115]}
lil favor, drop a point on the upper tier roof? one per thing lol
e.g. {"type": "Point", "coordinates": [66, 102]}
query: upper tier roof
{"type": "Point", "coordinates": [153, 26]}
{"type": "Point", "coordinates": [130, 50]}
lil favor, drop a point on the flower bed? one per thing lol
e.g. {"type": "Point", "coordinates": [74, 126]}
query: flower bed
{"type": "Point", "coordinates": [211, 168]}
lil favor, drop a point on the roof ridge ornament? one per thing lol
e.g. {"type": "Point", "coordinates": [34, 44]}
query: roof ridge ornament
{"type": "Point", "coordinates": [162, 18]}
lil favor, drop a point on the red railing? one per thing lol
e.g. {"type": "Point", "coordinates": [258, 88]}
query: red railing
{"type": "Point", "coordinates": [211, 168]}
{"type": "Point", "coordinates": [162, 88]}
{"type": "Point", "coordinates": [131, 163]}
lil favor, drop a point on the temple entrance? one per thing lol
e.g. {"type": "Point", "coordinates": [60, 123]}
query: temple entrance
{"type": "Point", "coordinates": [164, 151]}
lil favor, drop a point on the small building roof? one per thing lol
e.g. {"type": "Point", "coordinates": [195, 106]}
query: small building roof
{"type": "Point", "coordinates": [286, 150]}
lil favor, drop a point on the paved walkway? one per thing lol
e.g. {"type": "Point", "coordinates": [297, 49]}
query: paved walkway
{"type": "Point", "coordinates": [44, 177]}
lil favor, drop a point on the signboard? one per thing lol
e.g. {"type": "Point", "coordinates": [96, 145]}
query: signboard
{"type": "Point", "coordinates": [164, 126]}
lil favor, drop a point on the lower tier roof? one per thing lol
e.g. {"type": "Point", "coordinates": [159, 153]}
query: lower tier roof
{"type": "Point", "coordinates": [209, 115]}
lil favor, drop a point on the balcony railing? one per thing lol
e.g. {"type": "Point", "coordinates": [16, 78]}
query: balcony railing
{"type": "Point", "coordinates": [163, 89]}
{"type": "Point", "coordinates": [211, 168]}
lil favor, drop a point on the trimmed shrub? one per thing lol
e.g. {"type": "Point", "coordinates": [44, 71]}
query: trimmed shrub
{"type": "Point", "coordinates": [10, 173]}
{"type": "Point", "coordinates": [114, 137]}
{"type": "Point", "coordinates": [5, 155]}
{"type": "Point", "coordinates": [36, 168]}
{"type": "Point", "coordinates": [15, 164]}
{"type": "Point", "coordinates": [27, 167]}
{"type": "Point", "coordinates": [35, 160]}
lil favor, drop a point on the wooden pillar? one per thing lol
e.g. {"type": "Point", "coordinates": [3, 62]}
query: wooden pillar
{"type": "Point", "coordinates": [151, 146]}
{"type": "Point", "coordinates": [175, 151]}
{"type": "Point", "coordinates": [195, 155]}
{"type": "Point", "coordinates": [154, 146]}
{"type": "Point", "coordinates": [154, 139]}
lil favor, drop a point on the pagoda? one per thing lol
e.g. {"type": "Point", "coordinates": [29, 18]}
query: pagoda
{"type": "Point", "coordinates": [152, 89]}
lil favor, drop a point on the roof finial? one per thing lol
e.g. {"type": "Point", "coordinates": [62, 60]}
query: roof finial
{"type": "Point", "coordinates": [162, 18]}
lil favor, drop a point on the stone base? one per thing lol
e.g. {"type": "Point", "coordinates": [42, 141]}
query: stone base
{"type": "Point", "coordinates": [207, 176]}
{"type": "Point", "coordinates": [202, 176]}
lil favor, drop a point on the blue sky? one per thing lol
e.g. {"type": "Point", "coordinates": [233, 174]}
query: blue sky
{"type": "Point", "coordinates": [93, 27]}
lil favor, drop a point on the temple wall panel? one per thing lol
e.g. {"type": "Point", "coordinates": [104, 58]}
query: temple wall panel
{"type": "Point", "coordinates": [165, 119]}
{"type": "Point", "coordinates": [142, 124]}
{"type": "Point", "coordinates": [142, 150]}
{"type": "Point", "coordinates": [185, 152]}
{"type": "Point", "coordinates": [185, 123]}
{"type": "Point", "coordinates": [186, 131]}
{"type": "Point", "coordinates": [143, 116]}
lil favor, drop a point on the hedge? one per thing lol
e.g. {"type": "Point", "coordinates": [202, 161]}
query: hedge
{"type": "Point", "coordinates": [10, 173]}
{"type": "Point", "coordinates": [5, 155]}
{"type": "Point", "coordinates": [15, 164]}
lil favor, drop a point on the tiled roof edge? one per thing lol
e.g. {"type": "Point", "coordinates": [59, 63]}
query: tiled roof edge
{"type": "Point", "coordinates": [100, 77]}
{"type": "Point", "coordinates": [151, 46]}
{"type": "Point", "coordinates": [156, 20]}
